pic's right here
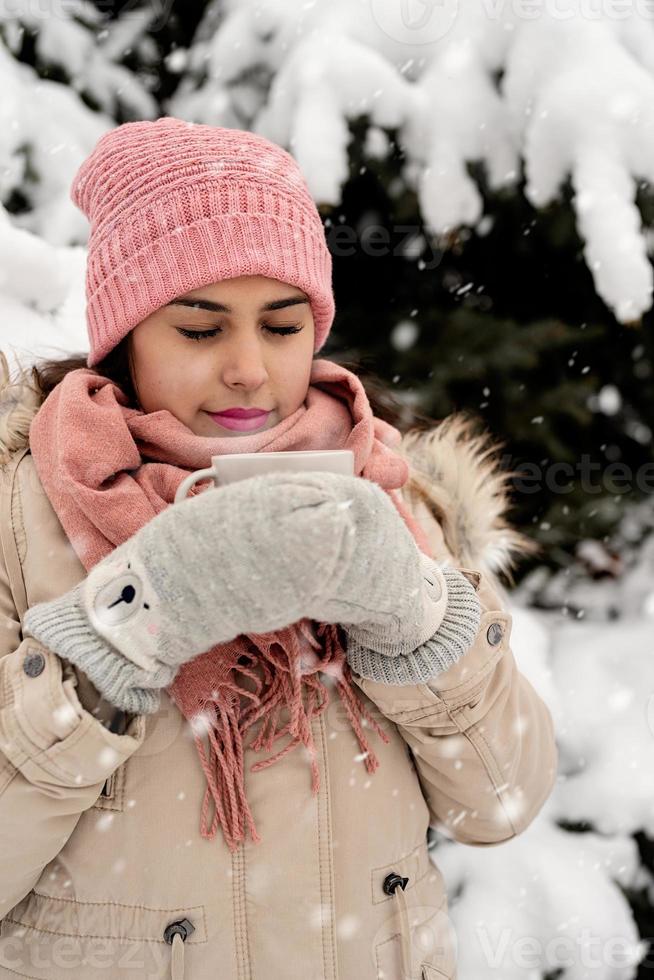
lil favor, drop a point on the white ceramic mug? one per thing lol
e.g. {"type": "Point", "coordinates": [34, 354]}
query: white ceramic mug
{"type": "Point", "coordinates": [239, 466]}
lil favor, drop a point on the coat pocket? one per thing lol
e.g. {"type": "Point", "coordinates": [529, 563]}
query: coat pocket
{"type": "Point", "coordinates": [430, 946]}
{"type": "Point", "coordinates": [424, 934]}
{"type": "Point", "coordinates": [48, 937]}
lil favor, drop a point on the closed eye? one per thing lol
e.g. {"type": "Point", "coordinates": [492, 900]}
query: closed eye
{"type": "Point", "coordinates": [205, 334]}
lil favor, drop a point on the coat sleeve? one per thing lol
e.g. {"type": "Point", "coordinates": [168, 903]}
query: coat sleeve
{"type": "Point", "coordinates": [481, 738]}
{"type": "Point", "coordinates": [55, 756]}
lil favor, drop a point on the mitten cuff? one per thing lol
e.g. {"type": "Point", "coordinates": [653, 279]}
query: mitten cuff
{"type": "Point", "coordinates": [63, 627]}
{"type": "Point", "coordinates": [411, 631]}
{"type": "Point", "coordinates": [454, 636]}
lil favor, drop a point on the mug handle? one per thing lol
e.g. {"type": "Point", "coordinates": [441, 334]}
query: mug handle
{"type": "Point", "coordinates": [192, 478]}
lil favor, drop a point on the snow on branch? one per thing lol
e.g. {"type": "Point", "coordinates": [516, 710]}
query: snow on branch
{"type": "Point", "coordinates": [564, 90]}
{"type": "Point", "coordinates": [584, 108]}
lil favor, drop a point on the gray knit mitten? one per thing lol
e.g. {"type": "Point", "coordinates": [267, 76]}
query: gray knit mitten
{"type": "Point", "coordinates": [454, 636]}
{"type": "Point", "coordinates": [246, 557]}
{"type": "Point", "coordinates": [250, 557]}
{"type": "Point", "coordinates": [421, 618]}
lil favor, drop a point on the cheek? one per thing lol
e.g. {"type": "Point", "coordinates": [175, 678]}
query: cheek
{"type": "Point", "coordinates": [295, 376]}
{"type": "Point", "coordinates": [180, 374]}
{"type": "Point", "coordinates": [152, 367]}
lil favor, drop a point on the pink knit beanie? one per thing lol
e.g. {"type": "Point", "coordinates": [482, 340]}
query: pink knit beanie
{"type": "Point", "coordinates": [175, 205]}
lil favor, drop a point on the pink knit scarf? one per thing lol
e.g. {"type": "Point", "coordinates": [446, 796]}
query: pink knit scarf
{"type": "Point", "coordinates": [108, 469]}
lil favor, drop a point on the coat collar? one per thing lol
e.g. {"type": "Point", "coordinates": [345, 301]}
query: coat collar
{"type": "Point", "coordinates": [454, 470]}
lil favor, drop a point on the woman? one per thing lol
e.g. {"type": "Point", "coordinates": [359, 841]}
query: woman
{"type": "Point", "coordinates": [143, 834]}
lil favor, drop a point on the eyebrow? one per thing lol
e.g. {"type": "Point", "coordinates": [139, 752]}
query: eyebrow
{"type": "Point", "coordinates": [211, 307]}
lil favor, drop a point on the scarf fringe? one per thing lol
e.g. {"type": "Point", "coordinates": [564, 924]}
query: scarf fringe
{"type": "Point", "coordinates": [296, 672]}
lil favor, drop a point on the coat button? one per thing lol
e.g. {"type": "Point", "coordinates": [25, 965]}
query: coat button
{"type": "Point", "coordinates": [494, 633]}
{"type": "Point", "coordinates": [182, 926]}
{"type": "Point", "coordinates": [391, 882]}
{"type": "Point", "coordinates": [34, 664]}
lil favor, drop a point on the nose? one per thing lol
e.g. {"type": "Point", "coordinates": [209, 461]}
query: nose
{"type": "Point", "coordinates": [243, 363]}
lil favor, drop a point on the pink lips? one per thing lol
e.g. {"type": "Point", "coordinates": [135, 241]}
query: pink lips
{"type": "Point", "coordinates": [241, 419]}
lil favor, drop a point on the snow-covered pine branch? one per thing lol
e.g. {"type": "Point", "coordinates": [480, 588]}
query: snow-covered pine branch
{"type": "Point", "coordinates": [566, 90]}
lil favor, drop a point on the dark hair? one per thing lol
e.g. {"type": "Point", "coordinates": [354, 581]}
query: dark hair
{"type": "Point", "coordinates": [117, 366]}
{"type": "Point", "coordinates": [47, 373]}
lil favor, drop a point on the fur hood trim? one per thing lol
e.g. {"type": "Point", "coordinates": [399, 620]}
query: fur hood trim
{"type": "Point", "coordinates": [455, 470]}
{"type": "Point", "coordinates": [20, 399]}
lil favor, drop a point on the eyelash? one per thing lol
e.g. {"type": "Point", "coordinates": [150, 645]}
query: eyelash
{"type": "Point", "coordinates": [201, 334]}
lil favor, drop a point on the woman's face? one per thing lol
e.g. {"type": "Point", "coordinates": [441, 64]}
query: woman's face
{"type": "Point", "coordinates": [222, 346]}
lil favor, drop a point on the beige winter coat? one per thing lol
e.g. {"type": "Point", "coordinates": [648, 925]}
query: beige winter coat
{"type": "Point", "coordinates": [100, 850]}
